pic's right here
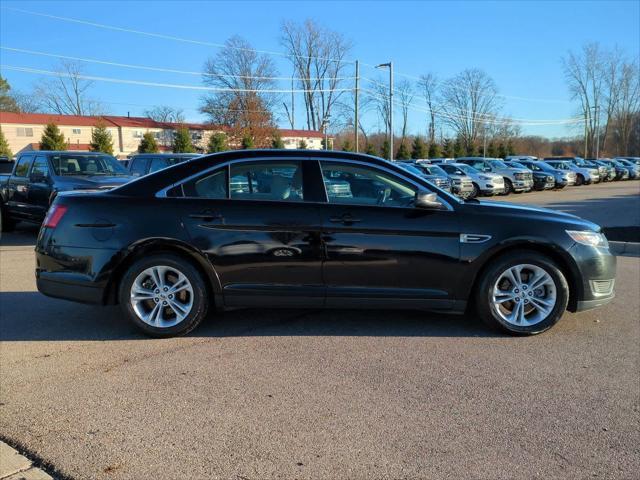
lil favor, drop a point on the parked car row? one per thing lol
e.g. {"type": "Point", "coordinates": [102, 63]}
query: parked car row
{"type": "Point", "coordinates": [37, 177]}
{"type": "Point", "coordinates": [470, 177]}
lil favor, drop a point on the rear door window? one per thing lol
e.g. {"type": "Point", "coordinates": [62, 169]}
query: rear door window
{"type": "Point", "coordinates": [278, 180]}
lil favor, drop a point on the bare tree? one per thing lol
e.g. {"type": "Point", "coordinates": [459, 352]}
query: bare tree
{"type": "Point", "coordinates": [379, 98]}
{"type": "Point", "coordinates": [469, 102]}
{"type": "Point", "coordinates": [404, 93]}
{"type": "Point", "coordinates": [345, 109]}
{"type": "Point", "coordinates": [245, 77]}
{"type": "Point", "coordinates": [428, 84]}
{"type": "Point", "coordinates": [584, 74]}
{"type": "Point", "coordinates": [68, 92]}
{"type": "Point", "coordinates": [165, 113]}
{"type": "Point", "coordinates": [318, 57]}
{"type": "Point", "coordinates": [626, 112]}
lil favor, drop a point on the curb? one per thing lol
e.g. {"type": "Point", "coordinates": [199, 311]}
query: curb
{"type": "Point", "coordinates": [14, 466]}
{"type": "Point", "coordinates": [627, 249]}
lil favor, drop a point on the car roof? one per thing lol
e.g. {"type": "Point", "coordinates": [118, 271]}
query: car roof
{"type": "Point", "coordinates": [150, 184]}
{"type": "Point", "coordinates": [164, 154]}
{"type": "Point", "coordinates": [74, 152]}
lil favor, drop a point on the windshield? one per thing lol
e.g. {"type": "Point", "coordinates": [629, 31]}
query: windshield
{"type": "Point", "coordinates": [467, 169]}
{"type": "Point", "coordinates": [498, 164]}
{"type": "Point", "coordinates": [517, 165]}
{"type": "Point", "coordinates": [452, 169]}
{"type": "Point", "coordinates": [580, 161]}
{"type": "Point", "coordinates": [433, 170]}
{"type": "Point", "coordinates": [411, 168]}
{"type": "Point", "coordinates": [560, 165]}
{"type": "Point", "coordinates": [79, 164]}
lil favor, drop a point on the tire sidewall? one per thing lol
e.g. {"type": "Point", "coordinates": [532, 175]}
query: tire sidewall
{"type": "Point", "coordinates": [484, 294]}
{"type": "Point", "coordinates": [200, 296]}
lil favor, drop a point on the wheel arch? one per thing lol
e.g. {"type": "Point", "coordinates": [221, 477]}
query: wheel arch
{"type": "Point", "coordinates": [564, 261]}
{"type": "Point", "coordinates": [153, 246]}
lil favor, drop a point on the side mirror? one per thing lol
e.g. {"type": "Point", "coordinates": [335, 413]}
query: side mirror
{"type": "Point", "coordinates": [425, 199]}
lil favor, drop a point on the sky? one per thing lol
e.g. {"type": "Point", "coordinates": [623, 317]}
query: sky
{"type": "Point", "coordinates": [519, 44]}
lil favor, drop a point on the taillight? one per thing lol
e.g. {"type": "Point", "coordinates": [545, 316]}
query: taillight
{"type": "Point", "coordinates": [54, 215]}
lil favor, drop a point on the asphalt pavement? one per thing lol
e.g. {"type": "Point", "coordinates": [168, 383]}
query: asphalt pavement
{"type": "Point", "coordinates": [256, 394]}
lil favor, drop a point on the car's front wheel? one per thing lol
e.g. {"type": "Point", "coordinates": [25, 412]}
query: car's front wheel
{"type": "Point", "coordinates": [508, 186]}
{"type": "Point", "coordinates": [522, 293]}
{"type": "Point", "coordinates": [164, 295]}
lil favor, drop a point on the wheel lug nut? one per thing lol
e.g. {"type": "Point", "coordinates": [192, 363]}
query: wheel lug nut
{"type": "Point", "coordinates": [165, 289]}
{"type": "Point", "coordinates": [517, 291]}
{"type": "Point", "coordinates": [164, 303]}
{"type": "Point", "coordinates": [517, 299]}
{"type": "Point", "coordinates": [170, 296]}
{"type": "Point", "coordinates": [156, 299]}
{"type": "Point", "coordinates": [530, 294]}
{"type": "Point", "coordinates": [524, 287]}
{"type": "Point", "coordinates": [157, 291]}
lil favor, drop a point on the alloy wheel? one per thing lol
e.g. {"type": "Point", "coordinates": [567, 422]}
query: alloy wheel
{"type": "Point", "coordinates": [524, 295]}
{"type": "Point", "coordinates": [161, 296]}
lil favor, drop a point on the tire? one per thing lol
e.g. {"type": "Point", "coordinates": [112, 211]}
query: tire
{"type": "Point", "coordinates": [169, 267]}
{"type": "Point", "coordinates": [508, 187]}
{"type": "Point", "coordinates": [536, 321]}
{"type": "Point", "coordinates": [476, 191]}
{"type": "Point", "coordinates": [579, 180]}
{"type": "Point", "coordinates": [6, 224]}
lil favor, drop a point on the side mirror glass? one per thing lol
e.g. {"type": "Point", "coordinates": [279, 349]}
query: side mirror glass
{"type": "Point", "coordinates": [37, 177]}
{"type": "Point", "coordinates": [426, 199]}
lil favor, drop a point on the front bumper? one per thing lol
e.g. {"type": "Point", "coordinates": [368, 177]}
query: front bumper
{"type": "Point", "coordinates": [491, 188]}
{"type": "Point", "coordinates": [595, 281]}
{"type": "Point", "coordinates": [522, 185]}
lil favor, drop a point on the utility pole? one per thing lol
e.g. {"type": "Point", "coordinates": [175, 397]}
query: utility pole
{"type": "Point", "coordinates": [484, 140]}
{"type": "Point", "coordinates": [357, 91]}
{"type": "Point", "coordinates": [390, 67]}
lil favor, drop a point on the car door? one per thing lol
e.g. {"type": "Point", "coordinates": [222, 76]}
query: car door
{"type": "Point", "coordinates": [379, 248]}
{"type": "Point", "coordinates": [254, 222]}
{"type": "Point", "coordinates": [18, 188]}
{"type": "Point", "coordinates": [39, 188]}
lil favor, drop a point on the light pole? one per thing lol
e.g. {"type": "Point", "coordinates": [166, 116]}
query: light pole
{"type": "Point", "coordinates": [390, 67]}
{"type": "Point", "coordinates": [325, 125]}
{"type": "Point", "coordinates": [596, 112]}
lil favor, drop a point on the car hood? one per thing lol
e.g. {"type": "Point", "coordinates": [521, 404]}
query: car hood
{"type": "Point", "coordinates": [91, 182]}
{"type": "Point", "coordinates": [537, 213]}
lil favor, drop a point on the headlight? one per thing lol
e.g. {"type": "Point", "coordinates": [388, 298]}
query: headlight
{"type": "Point", "coordinates": [587, 237]}
{"type": "Point", "coordinates": [484, 177]}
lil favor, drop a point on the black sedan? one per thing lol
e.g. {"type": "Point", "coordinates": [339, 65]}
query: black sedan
{"type": "Point", "coordinates": [288, 228]}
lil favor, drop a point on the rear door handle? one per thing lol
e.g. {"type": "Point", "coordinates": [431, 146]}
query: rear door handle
{"type": "Point", "coordinates": [345, 219]}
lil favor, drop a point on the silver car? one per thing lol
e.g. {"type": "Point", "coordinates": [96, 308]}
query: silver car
{"type": "Point", "coordinates": [515, 179]}
{"type": "Point", "coordinates": [584, 175]}
{"type": "Point", "coordinates": [462, 185]}
{"type": "Point", "coordinates": [485, 183]}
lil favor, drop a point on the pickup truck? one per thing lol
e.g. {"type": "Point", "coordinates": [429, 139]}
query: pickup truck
{"type": "Point", "coordinates": [37, 177]}
{"type": "Point", "coordinates": [144, 163]}
{"type": "Point", "coordinates": [515, 179]}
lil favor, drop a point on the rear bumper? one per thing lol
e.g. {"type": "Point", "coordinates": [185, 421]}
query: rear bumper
{"type": "Point", "coordinates": [68, 287]}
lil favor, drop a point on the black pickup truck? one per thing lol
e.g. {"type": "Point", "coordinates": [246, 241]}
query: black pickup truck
{"type": "Point", "coordinates": [37, 177]}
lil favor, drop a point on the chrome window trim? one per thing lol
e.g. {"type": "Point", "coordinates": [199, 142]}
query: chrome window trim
{"type": "Point", "coordinates": [442, 195]}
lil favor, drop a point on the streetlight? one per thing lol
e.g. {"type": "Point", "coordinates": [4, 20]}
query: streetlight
{"type": "Point", "coordinates": [596, 111]}
{"type": "Point", "coordinates": [390, 67]}
{"type": "Point", "coordinates": [324, 126]}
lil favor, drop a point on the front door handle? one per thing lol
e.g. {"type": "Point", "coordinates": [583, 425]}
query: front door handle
{"type": "Point", "coordinates": [346, 219]}
{"type": "Point", "coordinates": [207, 215]}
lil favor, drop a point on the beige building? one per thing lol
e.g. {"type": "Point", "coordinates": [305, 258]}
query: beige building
{"type": "Point", "coordinates": [24, 130]}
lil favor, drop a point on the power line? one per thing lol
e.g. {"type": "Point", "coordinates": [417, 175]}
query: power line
{"type": "Point", "coordinates": [167, 37]}
{"type": "Point", "coordinates": [512, 97]}
{"type": "Point", "coordinates": [485, 118]}
{"type": "Point", "coordinates": [158, 69]}
{"type": "Point", "coordinates": [165, 85]}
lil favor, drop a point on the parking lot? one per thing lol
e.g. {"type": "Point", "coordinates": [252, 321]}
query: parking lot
{"type": "Point", "coordinates": [332, 394]}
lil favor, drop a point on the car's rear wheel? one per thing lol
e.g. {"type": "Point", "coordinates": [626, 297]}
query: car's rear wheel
{"type": "Point", "coordinates": [522, 293]}
{"type": "Point", "coordinates": [164, 295]}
